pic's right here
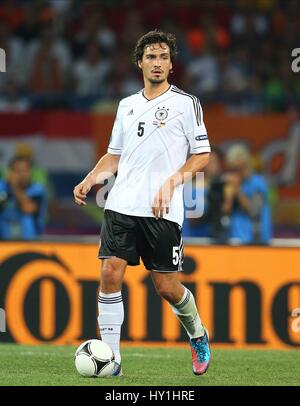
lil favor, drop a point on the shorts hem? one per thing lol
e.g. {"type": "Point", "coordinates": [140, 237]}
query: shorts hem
{"type": "Point", "coordinates": [129, 262]}
{"type": "Point", "coordinates": [165, 270]}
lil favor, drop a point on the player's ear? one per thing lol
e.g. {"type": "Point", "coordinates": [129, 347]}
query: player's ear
{"type": "Point", "coordinates": [171, 67]}
{"type": "Point", "coordinates": [140, 64]}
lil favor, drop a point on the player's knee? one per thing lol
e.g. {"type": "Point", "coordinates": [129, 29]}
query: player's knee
{"type": "Point", "coordinates": [110, 276]}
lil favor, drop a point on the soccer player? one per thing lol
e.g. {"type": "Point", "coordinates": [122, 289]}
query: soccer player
{"type": "Point", "coordinates": [153, 132]}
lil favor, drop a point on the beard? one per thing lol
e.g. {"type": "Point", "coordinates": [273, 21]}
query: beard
{"type": "Point", "coordinates": [156, 81]}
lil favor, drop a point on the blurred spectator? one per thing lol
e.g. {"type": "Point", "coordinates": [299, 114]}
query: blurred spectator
{"type": "Point", "coordinates": [207, 34]}
{"type": "Point", "coordinates": [11, 13]}
{"type": "Point", "coordinates": [124, 79]}
{"type": "Point", "coordinates": [246, 199]}
{"type": "Point", "coordinates": [231, 52]}
{"type": "Point", "coordinates": [11, 101]}
{"type": "Point", "coordinates": [203, 73]}
{"type": "Point", "coordinates": [94, 29]}
{"type": "Point", "coordinates": [195, 201]}
{"type": "Point", "coordinates": [60, 6]}
{"type": "Point", "coordinates": [236, 75]}
{"type": "Point", "coordinates": [249, 27]}
{"type": "Point", "coordinates": [133, 29]}
{"type": "Point", "coordinates": [29, 29]}
{"type": "Point", "coordinates": [14, 49]}
{"type": "Point", "coordinates": [215, 222]}
{"type": "Point", "coordinates": [259, 167]}
{"type": "Point", "coordinates": [1, 164]}
{"type": "Point", "coordinates": [274, 93]}
{"type": "Point", "coordinates": [38, 174]}
{"type": "Point", "coordinates": [49, 60]}
{"type": "Point", "coordinates": [46, 76]}
{"type": "Point", "coordinates": [22, 203]}
{"type": "Point", "coordinates": [91, 73]}
{"type": "Point", "coordinates": [241, 87]}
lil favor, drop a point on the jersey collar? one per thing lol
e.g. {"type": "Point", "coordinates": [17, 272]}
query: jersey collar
{"type": "Point", "coordinates": [148, 100]}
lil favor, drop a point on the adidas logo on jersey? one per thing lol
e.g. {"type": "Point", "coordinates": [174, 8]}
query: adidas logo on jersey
{"type": "Point", "coordinates": [130, 113]}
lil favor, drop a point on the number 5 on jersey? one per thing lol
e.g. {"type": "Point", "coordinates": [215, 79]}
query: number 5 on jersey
{"type": "Point", "coordinates": [141, 129]}
{"type": "Point", "coordinates": [175, 255]}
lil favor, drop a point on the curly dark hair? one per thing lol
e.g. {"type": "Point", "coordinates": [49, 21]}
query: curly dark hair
{"type": "Point", "coordinates": [155, 37]}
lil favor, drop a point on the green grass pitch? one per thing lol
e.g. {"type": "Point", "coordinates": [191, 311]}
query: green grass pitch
{"type": "Point", "coordinates": [54, 365]}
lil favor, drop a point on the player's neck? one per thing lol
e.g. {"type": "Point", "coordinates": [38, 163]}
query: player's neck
{"type": "Point", "coordinates": [153, 90]}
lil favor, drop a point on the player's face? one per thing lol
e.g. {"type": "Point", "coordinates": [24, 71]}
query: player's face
{"type": "Point", "coordinates": [156, 63]}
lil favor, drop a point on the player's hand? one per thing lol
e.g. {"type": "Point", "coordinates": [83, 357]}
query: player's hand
{"type": "Point", "coordinates": [161, 202]}
{"type": "Point", "coordinates": [80, 192]}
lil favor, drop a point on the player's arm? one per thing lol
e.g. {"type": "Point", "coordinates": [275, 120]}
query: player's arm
{"type": "Point", "coordinates": [106, 167]}
{"type": "Point", "coordinates": [194, 164]}
{"type": "Point", "coordinates": [164, 196]}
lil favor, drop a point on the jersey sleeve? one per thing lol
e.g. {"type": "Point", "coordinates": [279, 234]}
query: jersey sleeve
{"type": "Point", "coordinates": [115, 145]}
{"type": "Point", "coordinates": [194, 127]}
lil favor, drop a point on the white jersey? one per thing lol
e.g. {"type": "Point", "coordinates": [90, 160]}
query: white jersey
{"type": "Point", "coordinates": [154, 138]}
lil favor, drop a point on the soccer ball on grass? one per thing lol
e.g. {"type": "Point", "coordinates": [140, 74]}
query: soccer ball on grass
{"type": "Point", "coordinates": [94, 358]}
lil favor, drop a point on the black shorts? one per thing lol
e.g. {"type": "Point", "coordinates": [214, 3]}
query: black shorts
{"type": "Point", "coordinates": [158, 242]}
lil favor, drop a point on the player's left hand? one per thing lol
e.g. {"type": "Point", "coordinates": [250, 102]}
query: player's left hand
{"type": "Point", "coordinates": [162, 199]}
{"type": "Point", "coordinates": [80, 191]}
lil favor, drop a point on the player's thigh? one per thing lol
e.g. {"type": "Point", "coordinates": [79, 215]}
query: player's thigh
{"type": "Point", "coordinates": [160, 245]}
{"type": "Point", "coordinates": [118, 238]}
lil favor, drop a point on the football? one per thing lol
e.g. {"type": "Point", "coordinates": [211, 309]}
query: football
{"type": "Point", "coordinates": [94, 358]}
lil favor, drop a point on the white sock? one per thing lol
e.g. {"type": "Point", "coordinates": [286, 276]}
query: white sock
{"type": "Point", "coordinates": [186, 312]}
{"type": "Point", "coordinates": [110, 319]}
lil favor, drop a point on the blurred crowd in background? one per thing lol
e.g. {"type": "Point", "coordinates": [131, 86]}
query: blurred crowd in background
{"type": "Point", "coordinates": [237, 200]}
{"type": "Point", "coordinates": [236, 197]}
{"type": "Point", "coordinates": [77, 54]}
